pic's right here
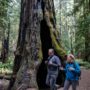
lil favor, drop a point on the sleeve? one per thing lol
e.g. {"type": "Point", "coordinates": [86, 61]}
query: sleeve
{"type": "Point", "coordinates": [65, 69]}
{"type": "Point", "coordinates": [58, 61]}
{"type": "Point", "coordinates": [77, 69]}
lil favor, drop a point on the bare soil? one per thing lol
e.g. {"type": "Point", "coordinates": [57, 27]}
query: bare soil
{"type": "Point", "coordinates": [84, 83]}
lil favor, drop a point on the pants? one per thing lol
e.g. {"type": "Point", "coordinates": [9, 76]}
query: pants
{"type": "Point", "coordinates": [51, 81]}
{"type": "Point", "coordinates": [68, 83]}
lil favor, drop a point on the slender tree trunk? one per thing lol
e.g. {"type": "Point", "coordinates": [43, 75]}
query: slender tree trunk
{"type": "Point", "coordinates": [37, 34]}
{"type": "Point", "coordinates": [87, 33]}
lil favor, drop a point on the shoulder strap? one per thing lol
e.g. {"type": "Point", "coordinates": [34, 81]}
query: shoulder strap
{"type": "Point", "coordinates": [74, 64]}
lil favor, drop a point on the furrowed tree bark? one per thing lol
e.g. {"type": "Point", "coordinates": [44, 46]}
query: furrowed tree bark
{"type": "Point", "coordinates": [37, 34]}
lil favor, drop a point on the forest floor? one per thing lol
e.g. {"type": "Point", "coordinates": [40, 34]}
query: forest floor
{"type": "Point", "coordinates": [84, 83]}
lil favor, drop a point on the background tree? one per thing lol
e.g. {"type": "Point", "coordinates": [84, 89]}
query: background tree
{"type": "Point", "coordinates": [81, 10]}
{"type": "Point", "coordinates": [3, 26]}
{"type": "Point", "coordinates": [8, 26]}
{"type": "Point", "coordinates": [65, 24]}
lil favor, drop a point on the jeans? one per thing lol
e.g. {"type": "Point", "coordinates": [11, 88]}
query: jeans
{"type": "Point", "coordinates": [51, 81]}
{"type": "Point", "coordinates": [69, 83]}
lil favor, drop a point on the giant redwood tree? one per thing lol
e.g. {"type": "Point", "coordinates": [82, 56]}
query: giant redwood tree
{"type": "Point", "coordinates": [37, 34]}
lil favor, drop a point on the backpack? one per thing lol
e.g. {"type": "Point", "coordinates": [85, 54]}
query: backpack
{"type": "Point", "coordinates": [78, 74]}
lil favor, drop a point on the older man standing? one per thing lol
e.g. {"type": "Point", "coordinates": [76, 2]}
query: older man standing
{"type": "Point", "coordinates": [53, 64]}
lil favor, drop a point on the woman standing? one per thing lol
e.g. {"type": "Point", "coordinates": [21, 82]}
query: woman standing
{"type": "Point", "coordinates": [72, 70]}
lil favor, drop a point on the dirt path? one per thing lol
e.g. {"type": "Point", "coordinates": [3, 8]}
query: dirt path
{"type": "Point", "coordinates": [4, 84]}
{"type": "Point", "coordinates": [84, 83]}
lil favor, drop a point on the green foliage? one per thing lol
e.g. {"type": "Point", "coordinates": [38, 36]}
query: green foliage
{"type": "Point", "coordinates": [3, 16]}
{"type": "Point", "coordinates": [83, 63]}
{"type": "Point", "coordinates": [73, 23]}
{"type": "Point", "coordinates": [9, 14]}
{"type": "Point", "coordinates": [77, 5]}
{"type": "Point", "coordinates": [82, 13]}
{"type": "Point", "coordinates": [3, 9]}
{"type": "Point", "coordinates": [65, 23]}
{"type": "Point", "coordinates": [7, 67]}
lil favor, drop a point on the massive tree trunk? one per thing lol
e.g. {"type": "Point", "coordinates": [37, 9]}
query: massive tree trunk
{"type": "Point", "coordinates": [37, 34]}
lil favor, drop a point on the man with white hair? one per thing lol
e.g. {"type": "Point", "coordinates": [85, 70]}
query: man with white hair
{"type": "Point", "coordinates": [53, 64]}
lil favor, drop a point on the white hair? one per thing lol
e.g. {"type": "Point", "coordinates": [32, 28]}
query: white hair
{"type": "Point", "coordinates": [51, 50]}
{"type": "Point", "coordinates": [71, 56]}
